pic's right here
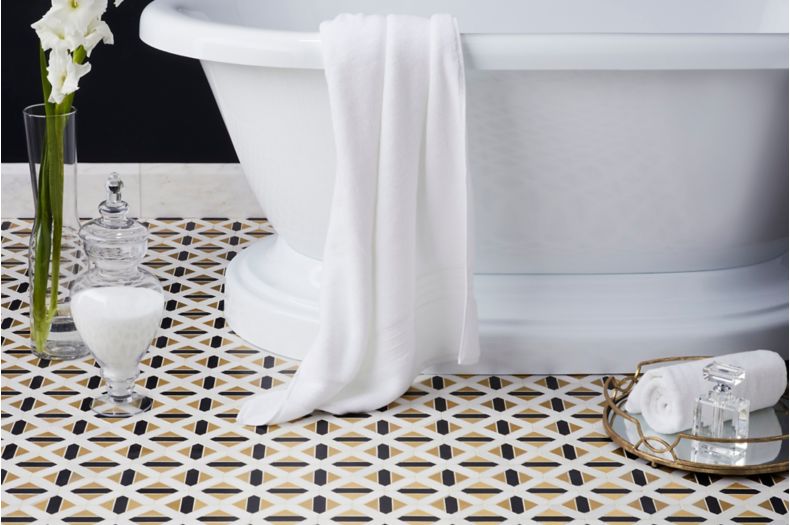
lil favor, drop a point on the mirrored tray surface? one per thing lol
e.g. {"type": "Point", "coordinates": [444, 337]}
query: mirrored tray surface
{"type": "Point", "coordinates": [767, 445]}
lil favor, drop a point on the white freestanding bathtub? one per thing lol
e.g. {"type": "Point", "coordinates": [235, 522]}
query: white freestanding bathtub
{"type": "Point", "coordinates": [629, 161]}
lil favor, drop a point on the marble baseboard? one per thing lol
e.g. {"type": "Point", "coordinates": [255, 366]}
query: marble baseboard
{"type": "Point", "coordinates": [152, 190]}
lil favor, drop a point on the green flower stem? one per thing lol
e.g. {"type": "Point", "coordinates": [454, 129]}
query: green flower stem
{"type": "Point", "coordinates": [46, 87]}
{"type": "Point", "coordinates": [55, 129]}
{"type": "Point", "coordinates": [43, 245]}
{"type": "Point", "coordinates": [42, 232]}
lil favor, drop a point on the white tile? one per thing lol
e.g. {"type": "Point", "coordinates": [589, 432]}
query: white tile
{"type": "Point", "coordinates": [17, 196]}
{"type": "Point", "coordinates": [152, 190]}
{"type": "Point", "coordinates": [15, 190]}
{"type": "Point", "coordinates": [196, 190]}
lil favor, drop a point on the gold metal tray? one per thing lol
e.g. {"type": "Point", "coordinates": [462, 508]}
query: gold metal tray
{"type": "Point", "coordinates": [768, 445]}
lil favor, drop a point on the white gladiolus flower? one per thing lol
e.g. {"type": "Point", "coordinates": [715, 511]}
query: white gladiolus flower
{"type": "Point", "coordinates": [55, 33]}
{"type": "Point", "coordinates": [98, 31]}
{"type": "Point", "coordinates": [70, 24]}
{"type": "Point", "coordinates": [78, 14]}
{"type": "Point", "coordinates": [64, 75]}
{"type": "Point", "coordinates": [67, 26]}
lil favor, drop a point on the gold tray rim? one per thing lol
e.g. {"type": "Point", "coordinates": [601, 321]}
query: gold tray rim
{"type": "Point", "coordinates": [625, 385]}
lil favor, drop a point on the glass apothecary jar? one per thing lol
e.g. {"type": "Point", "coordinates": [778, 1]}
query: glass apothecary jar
{"type": "Point", "coordinates": [117, 304]}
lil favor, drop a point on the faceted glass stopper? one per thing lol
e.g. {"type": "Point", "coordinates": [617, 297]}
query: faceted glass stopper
{"type": "Point", "coordinates": [724, 374]}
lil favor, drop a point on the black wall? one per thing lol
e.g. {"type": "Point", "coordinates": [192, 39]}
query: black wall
{"type": "Point", "coordinates": [138, 104]}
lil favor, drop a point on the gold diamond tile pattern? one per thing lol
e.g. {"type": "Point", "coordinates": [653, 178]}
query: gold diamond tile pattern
{"type": "Point", "coordinates": [454, 449]}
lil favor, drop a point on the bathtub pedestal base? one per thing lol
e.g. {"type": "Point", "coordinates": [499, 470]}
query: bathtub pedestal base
{"type": "Point", "coordinates": [541, 323]}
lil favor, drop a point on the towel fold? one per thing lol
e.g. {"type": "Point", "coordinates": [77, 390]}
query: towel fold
{"type": "Point", "coordinates": [666, 396]}
{"type": "Point", "coordinates": [396, 281]}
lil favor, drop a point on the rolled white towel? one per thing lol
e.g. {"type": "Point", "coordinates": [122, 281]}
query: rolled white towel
{"type": "Point", "coordinates": [665, 396]}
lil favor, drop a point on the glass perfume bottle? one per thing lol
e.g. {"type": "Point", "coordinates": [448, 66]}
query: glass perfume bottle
{"type": "Point", "coordinates": [720, 413]}
{"type": "Point", "coordinates": [117, 305]}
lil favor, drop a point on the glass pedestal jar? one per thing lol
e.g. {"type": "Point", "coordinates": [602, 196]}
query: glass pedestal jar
{"type": "Point", "coordinates": [117, 304]}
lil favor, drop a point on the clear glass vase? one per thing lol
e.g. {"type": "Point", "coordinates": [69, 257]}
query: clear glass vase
{"type": "Point", "coordinates": [56, 255]}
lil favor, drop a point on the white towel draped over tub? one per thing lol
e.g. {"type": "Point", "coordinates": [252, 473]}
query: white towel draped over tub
{"type": "Point", "coordinates": [396, 291]}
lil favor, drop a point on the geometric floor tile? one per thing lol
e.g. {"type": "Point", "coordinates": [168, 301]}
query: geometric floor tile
{"type": "Point", "coordinates": [454, 449]}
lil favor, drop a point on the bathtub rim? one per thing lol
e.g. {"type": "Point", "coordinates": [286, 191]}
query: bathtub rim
{"type": "Point", "coordinates": [165, 25]}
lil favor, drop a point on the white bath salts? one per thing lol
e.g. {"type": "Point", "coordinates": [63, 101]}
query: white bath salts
{"type": "Point", "coordinates": [118, 324]}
